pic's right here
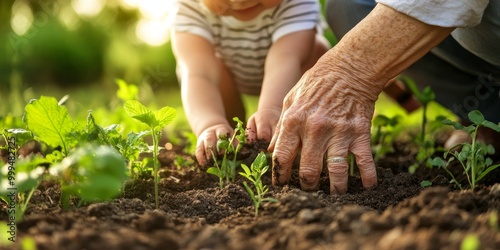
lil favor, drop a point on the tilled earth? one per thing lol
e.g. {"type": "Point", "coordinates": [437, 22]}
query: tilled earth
{"type": "Point", "coordinates": [195, 213]}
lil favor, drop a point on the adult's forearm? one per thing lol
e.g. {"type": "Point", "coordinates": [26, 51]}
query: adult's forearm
{"type": "Point", "coordinates": [379, 48]}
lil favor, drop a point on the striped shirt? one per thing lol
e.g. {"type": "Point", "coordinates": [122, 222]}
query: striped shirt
{"type": "Point", "coordinates": [243, 45]}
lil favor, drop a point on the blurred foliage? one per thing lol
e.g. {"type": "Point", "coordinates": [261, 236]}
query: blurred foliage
{"type": "Point", "coordinates": [65, 49]}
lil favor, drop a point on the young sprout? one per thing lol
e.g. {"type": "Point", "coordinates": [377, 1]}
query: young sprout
{"type": "Point", "coordinates": [382, 139]}
{"type": "Point", "coordinates": [225, 169]}
{"type": "Point", "coordinates": [254, 174]}
{"type": "Point", "coordinates": [472, 156]}
{"type": "Point", "coordinates": [155, 120]}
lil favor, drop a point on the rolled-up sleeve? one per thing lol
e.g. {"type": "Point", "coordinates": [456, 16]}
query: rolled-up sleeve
{"type": "Point", "coordinates": [444, 13]}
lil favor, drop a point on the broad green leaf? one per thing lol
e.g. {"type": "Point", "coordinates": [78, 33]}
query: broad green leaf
{"type": "Point", "coordinates": [136, 110]}
{"type": "Point", "coordinates": [491, 125]}
{"type": "Point", "coordinates": [164, 116]}
{"type": "Point", "coordinates": [51, 123]}
{"type": "Point", "coordinates": [476, 117]}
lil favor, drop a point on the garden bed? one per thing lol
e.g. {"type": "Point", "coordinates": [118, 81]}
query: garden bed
{"type": "Point", "coordinates": [195, 213]}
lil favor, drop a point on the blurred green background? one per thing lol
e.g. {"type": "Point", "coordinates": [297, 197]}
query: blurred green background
{"type": "Point", "coordinates": [55, 47]}
{"type": "Point", "coordinates": [79, 47]}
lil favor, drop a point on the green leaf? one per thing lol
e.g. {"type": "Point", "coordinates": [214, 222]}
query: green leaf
{"type": "Point", "coordinates": [437, 162]}
{"type": "Point", "coordinates": [491, 125]}
{"type": "Point", "coordinates": [20, 135]}
{"type": "Point", "coordinates": [51, 123]}
{"type": "Point", "coordinates": [425, 183]}
{"type": "Point", "coordinates": [126, 91]}
{"type": "Point", "coordinates": [246, 169]}
{"type": "Point", "coordinates": [164, 116]}
{"type": "Point", "coordinates": [92, 172]}
{"type": "Point", "coordinates": [136, 110]}
{"type": "Point", "coordinates": [476, 117]}
{"type": "Point", "coordinates": [487, 171]}
{"type": "Point", "coordinates": [381, 120]}
{"type": "Point", "coordinates": [215, 171]}
{"type": "Point", "coordinates": [456, 125]}
{"type": "Point", "coordinates": [462, 156]}
{"type": "Point", "coordinates": [427, 95]}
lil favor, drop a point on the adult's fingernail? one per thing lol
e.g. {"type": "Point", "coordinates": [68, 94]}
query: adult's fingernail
{"type": "Point", "coordinates": [280, 174]}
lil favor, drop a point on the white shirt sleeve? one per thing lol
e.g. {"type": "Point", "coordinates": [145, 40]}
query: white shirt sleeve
{"type": "Point", "coordinates": [191, 17]}
{"type": "Point", "coordinates": [444, 13]}
{"type": "Point", "coordinates": [296, 15]}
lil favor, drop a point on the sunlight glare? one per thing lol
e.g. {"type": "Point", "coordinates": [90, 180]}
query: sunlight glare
{"type": "Point", "coordinates": [157, 17]}
{"type": "Point", "coordinates": [22, 17]}
{"type": "Point", "coordinates": [87, 7]}
{"type": "Point", "coordinates": [152, 32]}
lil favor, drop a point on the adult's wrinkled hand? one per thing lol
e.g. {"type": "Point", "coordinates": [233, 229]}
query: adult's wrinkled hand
{"type": "Point", "coordinates": [328, 115]}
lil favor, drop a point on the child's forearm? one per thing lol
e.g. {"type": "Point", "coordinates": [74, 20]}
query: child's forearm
{"type": "Point", "coordinates": [202, 104]}
{"type": "Point", "coordinates": [277, 83]}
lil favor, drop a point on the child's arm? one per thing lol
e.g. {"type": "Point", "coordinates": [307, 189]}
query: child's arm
{"type": "Point", "coordinates": [286, 62]}
{"type": "Point", "coordinates": [199, 74]}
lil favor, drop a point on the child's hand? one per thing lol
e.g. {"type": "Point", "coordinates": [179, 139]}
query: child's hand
{"type": "Point", "coordinates": [261, 124]}
{"type": "Point", "coordinates": [207, 142]}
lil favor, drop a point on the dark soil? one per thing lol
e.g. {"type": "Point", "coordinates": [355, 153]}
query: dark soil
{"type": "Point", "coordinates": [196, 214]}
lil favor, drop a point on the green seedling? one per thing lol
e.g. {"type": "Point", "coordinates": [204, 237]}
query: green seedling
{"type": "Point", "coordinates": [182, 162]}
{"type": "Point", "coordinates": [130, 147]}
{"type": "Point", "coordinates": [225, 169]}
{"type": "Point", "coordinates": [52, 124]}
{"type": "Point", "coordinates": [424, 140]}
{"type": "Point", "coordinates": [92, 172]}
{"type": "Point", "coordinates": [254, 174]}
{"type": "Point", "coordinates": [472, 156]}
{"type": "Point", "coordinates": [155, 120]}
{"type": "Point", "coordinates": [383, 138]}
{"type": "Point", "coordinates": [19, 177]}
{"type": "Point", "coordinates": [425, 97]}
{"type": "Point", "coordinates": [19, 181]}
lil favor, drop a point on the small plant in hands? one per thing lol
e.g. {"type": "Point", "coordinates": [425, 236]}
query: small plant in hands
{"type": "Point", "coordinates": [225, 169]}
{"type": "Point", "coordinates": [155, 120]}
{"type": "Point", "coordinates": [472, 156]}
{"type": "Point", "coordinates": [254, 174]}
